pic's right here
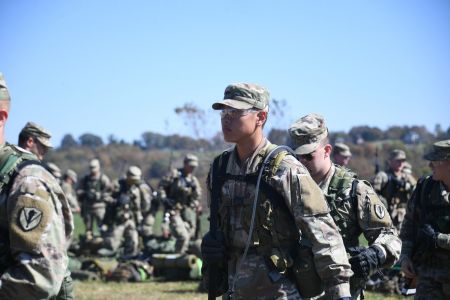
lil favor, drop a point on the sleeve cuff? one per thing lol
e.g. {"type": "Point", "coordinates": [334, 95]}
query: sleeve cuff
{"type": "Point", "coordinates": [339, 291]}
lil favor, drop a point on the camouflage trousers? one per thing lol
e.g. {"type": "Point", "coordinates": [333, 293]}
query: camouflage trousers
{"type": "Point", "coordinates": [181, 231]}
{"type": "Point", "coordinates": [433, 287]}
{"type": "Point", "coordinates": [147, 226]}
{"type": "Point", "coordinates": [398, 215]}
{"type": "Point", "coordinates": [93, 214]}
{"type": "Point", "coordinates": [253, 281]}
{"type": "Point", "coordinates": [66, 292]}
{"type": "Point", "coordinates": [126, 230]}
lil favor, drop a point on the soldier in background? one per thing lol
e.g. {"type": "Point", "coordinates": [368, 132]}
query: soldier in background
{"type": "Point", "coordinates": [354, 205]}
{"type": "Point", "coordinates": [395, 187]}
{"type": "Point", "coordinates": [341, 154]}
{"type": "Point", "coordinates": [131, 199]}
{"type": "Point", "coordinates": [35, 139]}
{"type": "Point", "coordinates": [426, 229]}
{"type": "Point", "coordinates": [94, 192]}
{"type": "Point", "coordinates": [258, 260]}
{"type": "Point", "coordinates": [69, 180]}
{"type": "Point", "coordinates": [35, 223]}
{"type": "Point", "coordinates": [183, 193]}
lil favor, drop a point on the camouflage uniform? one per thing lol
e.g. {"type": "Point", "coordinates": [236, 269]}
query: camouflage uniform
{"type": "Point", "coordinates": [67, 185]}
{"type": "Point", "coordinates": [94, 193]}
{"type": "Point", "coordinates": [395, 189]}
{"type": "Point", "coordinates": [36, 224]}
{"type": "Point", "coordinates": [290, 211]}
{"type": "Point", "coordinates": [131, 198]}
{"type": "Point", "coordinates": [183, 192]}
{"type": "Point", "coordinates": [429, 206]}
{"type": "Point", "coordinates": [353, 203]}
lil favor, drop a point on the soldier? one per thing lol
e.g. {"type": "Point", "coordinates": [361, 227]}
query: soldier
{"type": "Point", "coordinates": [394, 187]}
{"type": "Point", "coordinates": [353, 203]}
{"type": "Point", "coordinates": [35, 139]}
{"type": "Point", "coordinates": [341, 154]}
{"type": "Point", "coordinates": [94, 193]}
{"type": "Point", "coordinates": [426, 229]}
{"type": "Point", "coordinates": [131, 198]}
{"type": "Point", "coordinates": [68, 183]}
{"type": "Point", "coordinates": [183, 194]}
{"type": "Point", "coordinates": [267, 235]}
{"type": "Point", "coordinates": [35, 222]}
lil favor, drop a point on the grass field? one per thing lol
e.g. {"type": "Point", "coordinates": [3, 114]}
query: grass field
{"type": "Point", "coordinates": [158, 290]}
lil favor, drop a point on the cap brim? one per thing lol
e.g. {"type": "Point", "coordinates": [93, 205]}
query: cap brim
{"type": "Point", "coordinates": [193, 164]}
{"type": "Point", "coordinates": [45, 142]}
{"type": "Point", "coordinates": [434, 156]}
{"type": "Point", "coordinates": [346, 153]}
{"type": "Point", "coordinates": [306, 149]}
{"type": "Point", "coordinates": [227, 103]}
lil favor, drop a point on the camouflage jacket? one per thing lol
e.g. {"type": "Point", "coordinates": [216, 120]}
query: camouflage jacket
{"type": "Point", "coordinates": [182, 190]}
{"type": "Point", "coordinates": [36, 224]}
{"type": "Point", "coordinates": [394, 189]}
{"type": "Point", "coordinates": [361, 212]}
{"type": "Point", "coordinates": [430, 204]}
{"type": "Point", "coordinates": [71, 196]}
{"type": "Point", "coordinates": [131, 201]}
{"type": "Point", "coordinates": [305, 205]}
{"type": "Point", "coordinates": [94, 191]}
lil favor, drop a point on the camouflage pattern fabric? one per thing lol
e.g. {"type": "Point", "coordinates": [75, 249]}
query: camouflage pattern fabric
{"type": "Point", "coordinates": [306, 204]}
{"type": "Point", "coordinates": [366, 215]}
{"type": "Point", "coordinates": [71, 196]}
{"type": "Point", "coordinates": [183, 194]}
{"type": "Point", "coordinates": [430, 204]}
{"type": "Point", "coordinates": [37, 218]}
{"type": "Point", "coordinates": [395, 191]}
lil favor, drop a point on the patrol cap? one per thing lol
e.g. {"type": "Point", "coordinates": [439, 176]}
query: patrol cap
{"type": "Point", "coordinates": [440, 151]}
{"type": "Point", "coordinates": [397, 154]}
{"type": "Point", "coordinates": [4, 94]}
{"type": "Point", "coordinates": [342, 149]}
{"type": "Point", "coordinates": [307, 133]}
{"type": "Point", "coordinates": [134, 173]}
{"type": "Point", "coordinates": [54, 169]}
{"type": "Point", "coordinates": [72, 175]}
{"type": "Point", "coordinates": [244, 96]}
{"type": "Point", "coordinates": [191, 160]}
{"type": "Point", "coordinates": [38, 132]}
{"type": "Point", "coordinates": [94, 164]}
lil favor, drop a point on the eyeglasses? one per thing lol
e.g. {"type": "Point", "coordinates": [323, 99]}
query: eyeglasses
{"type": "Point", "coordinates": [235, 113]}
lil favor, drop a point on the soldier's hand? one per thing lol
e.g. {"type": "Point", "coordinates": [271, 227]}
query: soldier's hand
{"type": "Point", "coordinates": [213, 249]}
{"type": "Point", "coordinates": [427, 238]}
{"type": "Point", "coordinates": [407, 268]}
{"type": "Point", "coordinates": [367, 261]}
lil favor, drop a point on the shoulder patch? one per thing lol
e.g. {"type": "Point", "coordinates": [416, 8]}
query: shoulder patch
{"type": "Point", "coordinates": [28, 220]}
{"type": "Point", "coordinates": [379, 211]}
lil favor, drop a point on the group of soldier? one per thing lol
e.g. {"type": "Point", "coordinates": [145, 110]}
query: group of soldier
{"type": "Point", "coordinates": [284, 224]}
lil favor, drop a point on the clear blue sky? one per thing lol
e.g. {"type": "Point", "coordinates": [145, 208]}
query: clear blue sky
{"type": "Point", "coordinates": [121, 67]}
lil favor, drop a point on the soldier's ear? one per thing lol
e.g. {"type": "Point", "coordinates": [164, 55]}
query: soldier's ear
{"type": "Point", "coordinates": [3, 117]}
{"type": "Point", "coordinates": [262, 117]}
{"type": "Point", "coordinates": [328, 148]}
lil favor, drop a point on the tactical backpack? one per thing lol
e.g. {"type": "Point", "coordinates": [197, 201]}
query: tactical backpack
{"type": "Point", "coordinates": [342, 180]}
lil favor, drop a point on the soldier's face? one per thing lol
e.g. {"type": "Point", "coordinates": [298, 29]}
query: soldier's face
{"type": "Point", "coordinates": [238, 127]}
{"type": "Point", "coordinates": [396, 164]}
{"type": "Point", "coordinates": [341, 159]}
{"type": "Point", "coordinates": [38, 149]}
{"type": "Point", "coordinates": [317, 162]}
{"type": "Point", "coordinates": [441, 170]}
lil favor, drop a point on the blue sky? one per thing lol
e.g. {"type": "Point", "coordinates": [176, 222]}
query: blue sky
{"type": "Point", "coordinates": [121, 67]}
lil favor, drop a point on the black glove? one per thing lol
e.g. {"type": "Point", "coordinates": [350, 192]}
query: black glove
{"type": "Point", "coordinates": [426, 238]}
{"type": "Point", "coordinates": [213, 249]}
{"type": "Point", "coordinates": [367, 261]}
{"type": "Point", "coordinates": [399, 183]}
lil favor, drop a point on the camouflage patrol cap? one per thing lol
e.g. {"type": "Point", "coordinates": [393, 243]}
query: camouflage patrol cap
{"type": "Point", "coordinates": [54, 169]}
{"type": "Point", "coordinates": [38, 132]}
{"type": "Point", "coordinates": [307, 133]}
{"type": "Point", "coordinates": [134, 173]}
{"type": "Point", "coordinates": [244, 96]}
{"type": "Point", "coordinates": [4, 94]}
{"type": "Point", "coordinates": [440, 151]}
{"type": "Point", "coordinates": [94, 164]}
{"type": "Point", "coordinates": [342, 149]}
{"type": "Point", "coordinates": [191, 160]}
{"type": "Point", "coordinates": [397, 154]}
{"type": "Point", "coordinates": [72, 175]}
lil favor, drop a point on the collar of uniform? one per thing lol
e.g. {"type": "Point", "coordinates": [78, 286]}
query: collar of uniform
{"type": "Point", "coordinates": [325, 183]}
{"type": "Point", "coordinates": [251, 164]}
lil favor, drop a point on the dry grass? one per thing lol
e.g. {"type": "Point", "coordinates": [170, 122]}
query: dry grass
{"type": "Point", "coordinates": [158, 290]}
